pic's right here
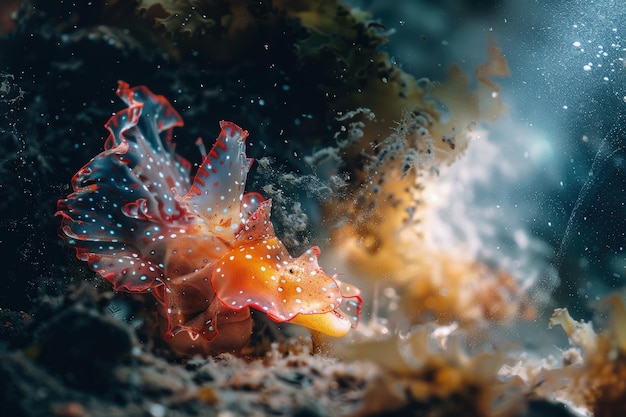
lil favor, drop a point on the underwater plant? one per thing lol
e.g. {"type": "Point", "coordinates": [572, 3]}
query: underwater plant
{"type": "Point", "coordinates": [206, 250]}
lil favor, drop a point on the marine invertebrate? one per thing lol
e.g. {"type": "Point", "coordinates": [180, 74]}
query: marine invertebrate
{"type": "Point", "coordinates": [205, 249]}
{"type": "Point", "coordinates": [589, 376]}
{"type": "Point", "coordinates": [594, 377]}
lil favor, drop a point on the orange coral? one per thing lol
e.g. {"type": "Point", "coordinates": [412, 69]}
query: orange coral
{"type": "Point", "coordinates": [389, 189]}
{"type": "Point", "coordinates": [383, 234]}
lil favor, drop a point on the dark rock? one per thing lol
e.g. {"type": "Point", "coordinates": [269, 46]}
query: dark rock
{"type": "Point", "coordinates": [83, 346]}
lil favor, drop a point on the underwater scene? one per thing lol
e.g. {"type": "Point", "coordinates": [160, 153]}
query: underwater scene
{"type": "Point", "coordinates": [312, 208]}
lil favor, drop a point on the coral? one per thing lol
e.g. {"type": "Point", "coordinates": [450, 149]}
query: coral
{"type": "Point", "coordinates": [593, 379]}
{"type": "Point", "coordinates": [396, 167]}
{"type": "Point", "coordinates": [383, 214]}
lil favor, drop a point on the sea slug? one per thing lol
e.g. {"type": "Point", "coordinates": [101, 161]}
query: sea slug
{"type": "Point", "coordinates": [205, 249]}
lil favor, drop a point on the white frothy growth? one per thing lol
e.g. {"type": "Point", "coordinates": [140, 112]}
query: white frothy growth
{"type": "Point", "coordinates": [476, 207]}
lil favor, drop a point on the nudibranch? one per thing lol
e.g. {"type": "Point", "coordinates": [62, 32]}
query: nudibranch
{"type": "Point", "coordinates": [205, 249]}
